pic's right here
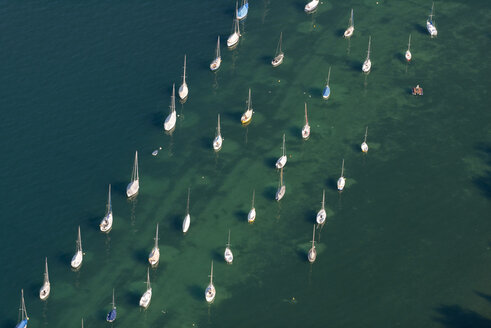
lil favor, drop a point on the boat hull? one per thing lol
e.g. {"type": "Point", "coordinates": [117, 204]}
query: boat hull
{"type": "Point", "coordinates": [281, 162]}
{"type": "Point", "coordinates": [146, 298]}
{"type": "Point", "coordinates": [246, 117]}
{"type": "Point", "coordinates": [232, 40]}
{"type": "Point", "coordinates": [311, 6]}
{"type": "Point", "coordinates": [242, 12]}
{"type": "Point", "coordinates": [408, 55]}
{"type": "Point", "coordinates": [349, 32]}
{"type": "Point", "coordinates": [154, 257]}
{"type": "Point", "coordinates": [277, 60]}
{"type": "Point", "coordinates": [341, 183]}
{"type": "Point", "coordinates": [431, 29]}
{"type": "Point", "coordinates": [228, 256]}
{"type": "Point", "coordinates": [312, 255]}
{"type": "Point", "coordinates": [210, 293]}
{"type": "Point", "coordinates": [45, 291]}
{"type": "Point", "coordinates": [22, 324]}
{"type": "Point", "coordinates": [170, 121]}
{"type": "Point", "coordinates": [364, 147]}
{"type": "Point", "coordinates": [367, 66]}
{"type": "Point", "coordinates": [251, 216]}
{"type": "Point", "coordinates": [132, 188]}
{"type": "Point", "coordinates": [217, 143]}
{"type": "Point", "coordinates": [183, 91]}
{"type": "Point", "coordinates": [77, 259]}
{"type": "Point", "coordinates": [186, 223]}
{"type": "Point", "coordinates": [107, 223]}
{"type": "Point", "coordinates": [321, 216]}
{"type": "Point", "coordinates": [280, 193]}
{"type": "Point", "coordinates": [326, 93]}
{"type": "Point", "coordinates": [306, 132]}
{"type": "Point", "coordinates": [215, 64]}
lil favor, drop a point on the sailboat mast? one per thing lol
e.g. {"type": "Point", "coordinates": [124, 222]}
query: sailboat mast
{"type": "Point", "coordinates": [228, 243]}
{"type": "Point", "coordinates": [253, 196]}
{"type": "Point", "coordinates": [409, 43]}
{"type": "Point", "coordinates": [173, 99]}
{"type": "Point", "coordinates": [313, 236]}
{"type": "Point", "coordinates": [369, 43]}
{"type": "Point", "coordinates": [249, 100]}
{"type": "Point", "coordinates": [329, 75]}
{"type": "Point", "coordinates": [211, 276]}
{"type": "Point", "coordinates": [187, 206]}
{"type": "Point", "coordinates": [366, 133]}
{"type": "Point", "coordinates": [283, 144]}
{"type": "Point", "coordinates": [218, 47]}
{"type": "Point", "coordinates": [342, 168]}
{"type": "Point", "coordinates": [351, 18]}
{"type": "Point", "coordinates": [184, 74]}
{"type": "Point", "coordinates": [79, 240]}
{"type": "Point", "coordinates": [23, 306]}
{"type": "Point", "coordinates": [148, 278]}
{"type": "Point", "coordinates": [114, 305]}
{"type": "Point", "coordinates": [157, 237]}
{"type": "Point", "coordinates": [306, 118]}
{"type": "Point", "coordinates": [281, 177]}
{"type": "Point", "coordinates": [218, 124]}
{"type": "Point", "coordinates": [323, 197]}
{"type": "Point", "coordinates": [46, 276]}
{"type": "Point", "coordinates": [109, 205]}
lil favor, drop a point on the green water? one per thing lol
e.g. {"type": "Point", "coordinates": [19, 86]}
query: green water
{"type": "Point", "coordinates": [406, 244]}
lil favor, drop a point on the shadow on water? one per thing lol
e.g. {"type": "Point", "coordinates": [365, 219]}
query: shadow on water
{"type": "Point", "coordinates": [177, 222]}
{"type": "Point", "coordinates": [355, 65]}
{"type": "Point", "coordinates": [206, 143]}
{"type": "Point", "coordinates": [120, 186]}
{"type": "Point", "coordinates": [233, 116]}
{"type": "Point", "coordinates": [295, 131]}
{"type": "Point", "coordinates": [420, 28]}
{"type": "Point", "coordinates": [454, 316]}
{"type": "Point", "coordinates": [332, 184]}
{"type": "Point", "coordinates": [310, 215]}
{"type": "Point", "coordinates": [483, 182]}
{"type": "Point", "coordinates": [197, 292]}
{"type": "Point", "coordinates": [266, 60]}
{"type": "Point", "coordinates": [241, 215]}
{"type": "Point", "coordinates": [270, 162]}
{"type": "Point", "coordinates": [302, 255]}
{"type": "Point", "coordinates": [485, 296]}
{"type": "Point", "coordinates": [216, 255]}
{"type": "Point", "coordinates": [316, 92]}
{"type": "Point", "coordinates": [94, 223]}
{"type": "Point", "coordinates": [340, 32]}
{"type": "Point", "coordinates": [65, 258]}
{"type": "Point", "coordinates": [33, 289]}
{"type": "Point", "coordinates": [8, 323]}
{"type": "Point", "coordinates": [157, 119]}
{"type": "Point", "coordinates": [269, 192]}
{"type": "Point", "coordinates": [141, 255]}
{"type": "Point", "coordinates": [400, 57]}
{"type": "Point", "coordinates": [133, 298]}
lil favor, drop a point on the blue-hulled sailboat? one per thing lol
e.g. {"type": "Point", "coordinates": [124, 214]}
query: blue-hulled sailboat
{"type": "Point", "coordinates": [327, 90]}
{"type": "Point", "coordinates": [111, 316]}
{"type": "Point", "coordinates": [23, 313]}
{"type": "Point", "coordinates": [243, 10]}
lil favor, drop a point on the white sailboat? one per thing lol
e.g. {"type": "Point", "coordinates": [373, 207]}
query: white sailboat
{"type": "Point", "coordinates": [367, 64]}
{"type": "Point", "coordinates": [408, 51]}
{"type": "Point", "coordinates": [46, 288]}
{"type": "Point", "coordinates": [322, 215]}
{"type": "Point", "coordinates": [342, 179]}
{"type": "Point", "coordinates": [23, 312]}
{"type": "Point", "coordinates": [134, 185]}
{"type": "Point", "coordinates": [154, 256]}
{"type": "Point", "coordinates": [281, 188]}
{"type": "Point", "coordinates": [326, 93]}
{"type": "Point", "coordinates": [281, 162]}
{"type": "Point", "coordinates": [252, 213]}
{"type": "Point", "coordinates": [306, 127]}
{"type": "Point", "coordinates": [183, 89]}
{"type": "Point", "coordinates": [364, 146]}
{"type": "Point", "coordinates": [147, 296]}
{"type": "Point", "coordinates": [170, 120]}
{"type": "Point", "coordinates": [233, 39]}
{"type": "Point", "coordinates": [79, 255]}
{"type": "Point", "coordinates": [311, 6]}
{"type": "Point", "coordinates": [279, 55]}
{"type": "Point", "coordinates": [351, 27]}
{"type": "Point", "coordinates": [107, 221]}
{"type": "Point", "coordinates": [217, 142]}
{"type": "Point", "coordinates": [312, 252]}
{"type": "Point", "coordinates": [215, 64]}
{"type": "Point", "coordinates": [210, 291]}
{"type": "Point", "coordinates": [247, 116]}
{"type": "Point", "coordinates": [430, 25]}
{"type": "Point", "coordinates": [228, 255]}
{"type": "Point", "coordinates": [187, 219]}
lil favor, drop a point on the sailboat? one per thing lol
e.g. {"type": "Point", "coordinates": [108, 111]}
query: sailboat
{"type": "Point", "coordinates": [321, 215]}
{"type": "Point", "coordinates": [311, 6]}
{"type": "Point", "coordinates": [170, 120]}
{"type": "Point", "coordinates": [217, 142]}
{"type": "Point", "coordinates": [23, 312]}
{"type": "Point", "coordinates": [215, 64]}
{"type": "Point", "coordinates": [281, 188]}
{"type": "Point", "coordinates": [147, 296]}
{"type": "Point", "coordinates": [233, 39]}
{"type": "Point", "coordinates": [367, 64]}
{"type": "Point", "coordinates": [183, 89]}
{"type": "Point", "coordinates": [247, 116]}
{"type": "Point", "coordinates": [408, 51]}
{"type": "Point", "coordinates": [154, 256]}
{"type": "Point", "coordinates": [312, 252]}
{"type": "Point", "coordinates": [210, 291]}
{"type": "Point", "coordinates": [342, 179]}
{"type": "Point", "coordinates": [430, 25]}
{"type": "Point", "coordinates": [327, 90]}
{"type": "Point", "coordinates": [134, 185]}
{"type": "Point", "coordinates": [46, 288]}
{"type": "Point", "coordinates": [306, 127]}
{"type": "Point", "coordinates": [79, 256]}
{"type": "Point", "coordinates": [107, 221]}
{"type": "Point", "coordinates": [351, 27]}
{"type": "Point", "coordinates": [111, 316]}
{"type": "Point", "coordinates": [252, 213]}
{"type": "Point", "coordinates": [364, 146]}
{"type": "Point", "coordinates": [281, 162]}
{"type": "Point", "coordinates": [228, 255]}
{"type": "Point", "coordinates": [187, 218]}
{"type": "Point", "coordinates": [243, 10]}
{"type": "Point", "coordinates": [82, 322]}
{"type": "Point", "coordinates": [279, 55]}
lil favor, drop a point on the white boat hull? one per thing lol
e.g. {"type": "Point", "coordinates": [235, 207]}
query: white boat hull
{"type": "Point", "coordinates": [349, 32]}
{"type": "Point", "coordinates": [408, 55]}
{"type": "Point", "coordinates": [431, 29]}
{"type": "Point", "coordinates": [367, 66]}
{"type": "Point", "coordinates": [251, 216]}
{"type": "Point", "coordinates": [280, 193]}
{"type": "Point", "coordinates": [281, 162]}
{"type": "Point", "coordinates": [215, 64]}
{"type": "Point", "coordinates": [154, 257]}
{"type": "Point", "coordinates": [146, 298]}
{"type": "Point", "coordinates": [321, 216]}
{"type": "Point", "coordinates": [132, 188]}
{"type": "Point", "coordinates": [312, 255]}
{"type": "Point", "coordinates": [341, 183]}
{"type": "Point", "coordinates": [228, 256]}
{"type": "Point", "coordinates": [306, 132]}
{"type": "Point", "coordinates": [311, 6]}
{"type": "Point", "coordinates": [170, 121]}
{"type": "Point", "coordinates": [277, 60]}
{"type": "Point", "coordinates": [232, 40]}
{"type": "Point", "coordinates": [217, 143]}
{"type": "Point", "coordinates": [246, 117]}
{"type": "Point", "coordinates": [183, 91]}
{"type": "Point", "coordinates": [107, 222]}
{"type": "Point", "coordinates": [186, 223]}
{"type": "Point", "coordinates": [364, 147]}
{"type": "Point", "coordinates": [210, 293]}
{"type": "Point", "coordinates": [77, 260]}
{"type": "Point", "coordinates": [44, 291]}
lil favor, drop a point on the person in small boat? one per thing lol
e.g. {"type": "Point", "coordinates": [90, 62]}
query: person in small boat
{"type": "Point", "coordinates": [418, 90]}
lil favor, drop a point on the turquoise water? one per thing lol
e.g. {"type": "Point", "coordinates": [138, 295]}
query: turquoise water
{"type": "Point", "coordinates": [406, 243]}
